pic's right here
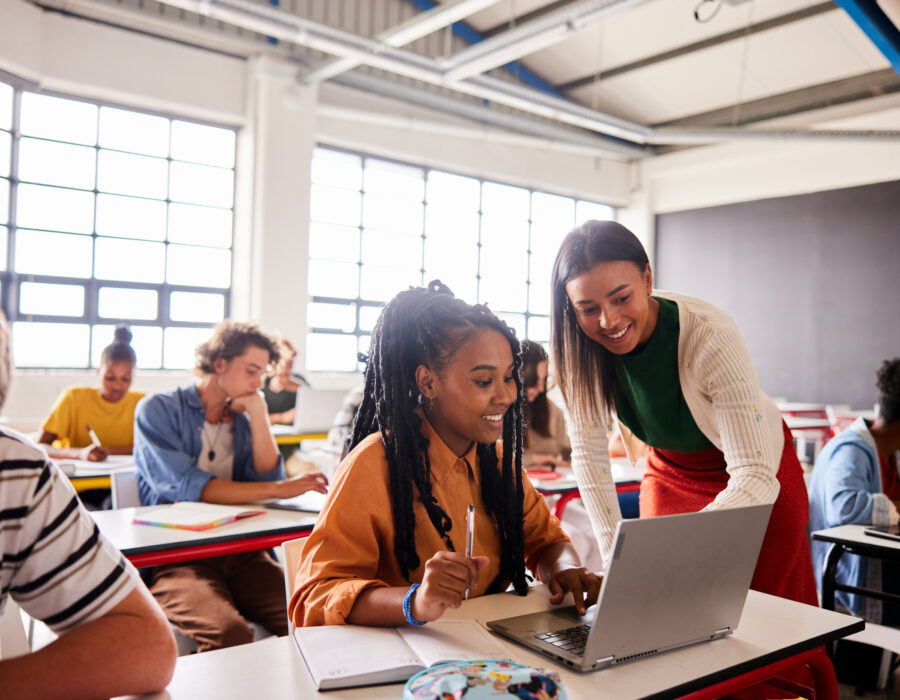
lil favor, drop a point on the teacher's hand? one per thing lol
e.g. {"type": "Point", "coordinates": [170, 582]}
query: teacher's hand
{"type": "Point", "coordinates": [581, 583]}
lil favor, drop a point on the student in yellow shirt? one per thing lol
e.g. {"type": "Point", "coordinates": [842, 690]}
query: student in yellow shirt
{"type": "Point", "coordinates": [109, 410]}
{"type": "Point", "coordinates": [442, 388]}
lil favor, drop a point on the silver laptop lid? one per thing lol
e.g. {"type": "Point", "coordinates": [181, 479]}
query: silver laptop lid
{"type": "Point", "coordinates": [676, 579]}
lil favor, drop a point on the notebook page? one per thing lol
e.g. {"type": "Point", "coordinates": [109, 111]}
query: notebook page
{"type": "Point", "coordinates": [355, 653]}
{"type": "Point", "coordinates": [453, 640]}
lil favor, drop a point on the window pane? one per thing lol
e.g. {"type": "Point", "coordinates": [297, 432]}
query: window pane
{"type": "Point", "coordinates": [200, 225]}
{"type": "Point", "coordinates": [463, 286]}
{"type": "Point", "coordinates": [4, 246]}
{"type": "Point", "coordinates": [54, 209]}
{"type": "Point", "coordinates": [50, 344]}
{"type": "Point", "coordinates": [130, 261]}
{"type": "Point", "coordinates": [339, 243]}
{"type": "Point", "coordinates": [123, 173]}
{"type": "Point", "coordinates": [539, 291]}
{"type": "Point", "coordinates": [503, 273]}
{"type": "Point", "coordinates": [58, 118]}
{"type": "Point", "coordinates": [4, 201]}
{"type": "Point", "coordinates": [552, 210]}
{"type": "Point", "coordinates": [199, 143]}
{"type": "Point", "coordinates": [57, 163]}
{"type": "Point", "coordinates": [341, 317]}
{"type": "Point", "coordinates": [132, 131]}
{"type": "Point", "coordinates": [394, 180]}
{"type": "Point", "coordinates": [382, 283]}
{"type": "Point", "coordinates": [200, 184]}
{"type": "Point", "coordinates": [365, 342]}
{"type": "Point", "coordinates": [198, 267]}
{"type": "Point", "coordinates": [180, 345]}
{"type": "Point", "coordinates": [333, 206]}
{"type": "Point", "coordinates": [119, 302]}
{"type": "Point", "coordinates": [57, 254]}
{"type": "Point", "coordinates": [147, 344]}
{"type": "Point", "coordinates": [333, 279]}
{"type": "Point", "coordinates": [387, 214]}
{"type": "Point", "coordinates": [539, 329]}
{"type": "Point", "coordinates": [196, 307]}
{"type": "Point", "coordinates": [516, 322]}
{"type": "Point", "coordinates": [336, 169]}
{"type": "Point", "coordinates": [447, 222]}
{"type": "Point", "coordinates": [500, 233]}
{"type": "Point", "coordinates": [392, 250]}
{"type": "Point", "coordinates": [453, 191]}
{"type": "Point", "coordinates": [5, 145]}
{"type": "Point", "coordinates": [368, 315]}
{"type": "Point", "coordinates": [51, 299]}
{"type": "Point", "coordinates": [584, 211]}
{"type": "Point", "coordinates": [329, 352]}
{"type": "Point", "coordinates": [129, 217]}
{"type": "Point", "coordinates": [505, 202]}
{"type": "Point", "coordinates": [6, 96]}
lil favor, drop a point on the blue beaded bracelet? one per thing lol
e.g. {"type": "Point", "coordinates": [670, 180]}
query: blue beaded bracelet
{"type": "Point", "coordinates": [407, 612]}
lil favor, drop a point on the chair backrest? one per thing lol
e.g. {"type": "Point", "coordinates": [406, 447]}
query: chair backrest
{"type": "Point", "coordinates": [290, 558]}
{"type": "Point", "coordinates": [13, 640]}
{"type": "Point", "coordinates": [125, 489]}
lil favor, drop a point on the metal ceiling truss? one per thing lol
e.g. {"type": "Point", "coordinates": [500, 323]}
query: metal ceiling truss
{"type": "Point", "coordinates": [622, 134]}
{"type": "Point", "coordinates": [877, 26]}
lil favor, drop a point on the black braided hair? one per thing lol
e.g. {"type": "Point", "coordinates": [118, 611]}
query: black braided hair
{"type": "Point", "coordinates": [427, 326]}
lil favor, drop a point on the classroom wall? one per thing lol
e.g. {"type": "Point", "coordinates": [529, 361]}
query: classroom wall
{"type": "Point", "coordinates": [811, 281]}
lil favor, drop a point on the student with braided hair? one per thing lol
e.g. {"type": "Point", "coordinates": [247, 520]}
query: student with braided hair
{"type": "Point", "coordinates": [442, 386]}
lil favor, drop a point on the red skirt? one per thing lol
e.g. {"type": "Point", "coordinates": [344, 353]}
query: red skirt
{"type": "Point", "coordinates": [677, 482]}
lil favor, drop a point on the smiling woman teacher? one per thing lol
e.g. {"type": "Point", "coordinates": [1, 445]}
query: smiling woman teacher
{"type": "Point", "coordinates": [675, 371]}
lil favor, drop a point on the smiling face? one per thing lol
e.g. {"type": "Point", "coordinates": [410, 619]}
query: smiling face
{"type": "Point", "coordinates": [613, 306]}
{"type": "Point", "coordinates": [469, 397]}
{"type": "Point", "coordinates": [244, 374]}
{"type": "Point", "coordinates": [115, 380]}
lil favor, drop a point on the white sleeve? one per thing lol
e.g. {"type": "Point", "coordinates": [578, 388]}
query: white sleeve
{"type": "Point", "coordinates": [752, 457]}
{"type": "Point", "coordinates": [590, 462]}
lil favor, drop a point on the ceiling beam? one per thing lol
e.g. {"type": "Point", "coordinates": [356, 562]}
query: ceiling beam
{"type": "Point", "coordinates": [414, 28]}
{"type": "Point", "coordinates": [527, 17]}
{"type": "Point", "coordinates": [877, 26]}
{"type": "Point", "coordinates": [530, 37]}
{"type": "Point", "coordinates": [709, 42]}
{"type": "Point", "coordinates": [829, 94]}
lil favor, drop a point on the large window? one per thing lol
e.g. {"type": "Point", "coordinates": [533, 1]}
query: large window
{"type": "Point", "coordinates": [110, 216]}
{"type": "Point", "coordinates": [378, 226]}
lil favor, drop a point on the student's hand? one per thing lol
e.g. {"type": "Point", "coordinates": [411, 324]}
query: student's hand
{"type": "Point", "coordinates": [252, 404]}
{"type": "Point", "coordinates": [93, 453]}
{"type": "Point", "coordinates": [294, 486]}
{"type": "Point", "coordinates": [584, 586]}
{"type": "Point", "coordinates": [447, 574]}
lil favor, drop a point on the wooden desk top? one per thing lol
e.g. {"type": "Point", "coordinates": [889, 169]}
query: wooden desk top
{"type": "Point", "coordinates": [770, 629]}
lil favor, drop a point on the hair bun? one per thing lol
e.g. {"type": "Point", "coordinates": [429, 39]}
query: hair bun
{"type": "Point", "coordinates": [123, 334]}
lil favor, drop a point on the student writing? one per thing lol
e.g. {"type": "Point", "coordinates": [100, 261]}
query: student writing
{"type": "Point", "coordinates": [442, 387]}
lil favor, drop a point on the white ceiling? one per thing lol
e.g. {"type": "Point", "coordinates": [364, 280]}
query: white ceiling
{"type": "Point", "coordinates": [753, 74]}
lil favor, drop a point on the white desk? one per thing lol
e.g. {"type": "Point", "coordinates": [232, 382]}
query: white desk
{"type": "Point", "coordinates": [626, 477]}
{"type": "Point", "coordinates": [147, 545]}
{"type": "Point", "coordinates": [771, 629]}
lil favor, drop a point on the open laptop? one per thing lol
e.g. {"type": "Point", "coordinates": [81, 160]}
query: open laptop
{"type": "Point", "coordinates": [672, 581]}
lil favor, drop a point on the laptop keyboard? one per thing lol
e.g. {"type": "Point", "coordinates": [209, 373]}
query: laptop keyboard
{"type": "Point", "coordinates": [571, 639]}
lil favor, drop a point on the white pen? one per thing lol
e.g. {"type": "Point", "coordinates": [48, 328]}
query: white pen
{"type": "Point", "coordinates": [470, 535]}
{"type": "Point", "coordinates": [94, 439]}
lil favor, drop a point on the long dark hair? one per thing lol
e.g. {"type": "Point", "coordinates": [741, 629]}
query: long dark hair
{"type": "Point", "coordinates": [580, 364]}
{"type": "Point", "coordinates": [427, 326]}
{"type": "Point", "coordinates": [537, 413]}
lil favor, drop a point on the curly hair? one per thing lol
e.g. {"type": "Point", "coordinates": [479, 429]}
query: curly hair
{"type": "Point", "coordinates": [231, 339]}
{"type": "Point", "coordinates": [887, 381]}
{"type": "Point", "coordinates": [427, 326]}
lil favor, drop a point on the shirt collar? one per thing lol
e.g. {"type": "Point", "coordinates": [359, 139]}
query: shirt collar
{"type": "Point", "coordinates": [193, 396]}
{"type": "Point", "coordinates": [443, 460]}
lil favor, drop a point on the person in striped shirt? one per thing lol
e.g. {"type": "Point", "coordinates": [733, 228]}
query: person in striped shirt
{"type": "Point", "coordinates": [114, 639]}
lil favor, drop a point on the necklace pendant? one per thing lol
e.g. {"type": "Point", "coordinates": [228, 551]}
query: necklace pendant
{"type": "Point", "coordinates": [211, 455]}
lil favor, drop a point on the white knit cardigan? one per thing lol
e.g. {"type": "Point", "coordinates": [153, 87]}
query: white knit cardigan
{"type": "Point", "coordinates": [723, 394]}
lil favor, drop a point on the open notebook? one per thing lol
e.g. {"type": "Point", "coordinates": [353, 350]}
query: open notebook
{"type": "Point", "coordinates": [342, 656]}
{"type": "Point", "coordinates": [187, 515]}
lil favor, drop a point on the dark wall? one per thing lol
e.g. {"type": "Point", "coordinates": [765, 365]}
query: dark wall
{"type": "Point", "coordinates": [812, 281]}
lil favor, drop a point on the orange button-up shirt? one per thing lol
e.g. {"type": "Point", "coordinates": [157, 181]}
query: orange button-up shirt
{"type": "Point", "coordinates": [351, 547]}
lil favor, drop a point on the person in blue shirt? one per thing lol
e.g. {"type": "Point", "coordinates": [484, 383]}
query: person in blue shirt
{"type": "Point", "coordinates": [855, 481]}
{"type": "Point", "coordinates": [210, 442]}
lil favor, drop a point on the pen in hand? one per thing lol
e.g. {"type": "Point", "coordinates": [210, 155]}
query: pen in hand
{"type": "Point", "coordinates": [94, 439]}
{"type": "Point", "coordinates": [470, 536]}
